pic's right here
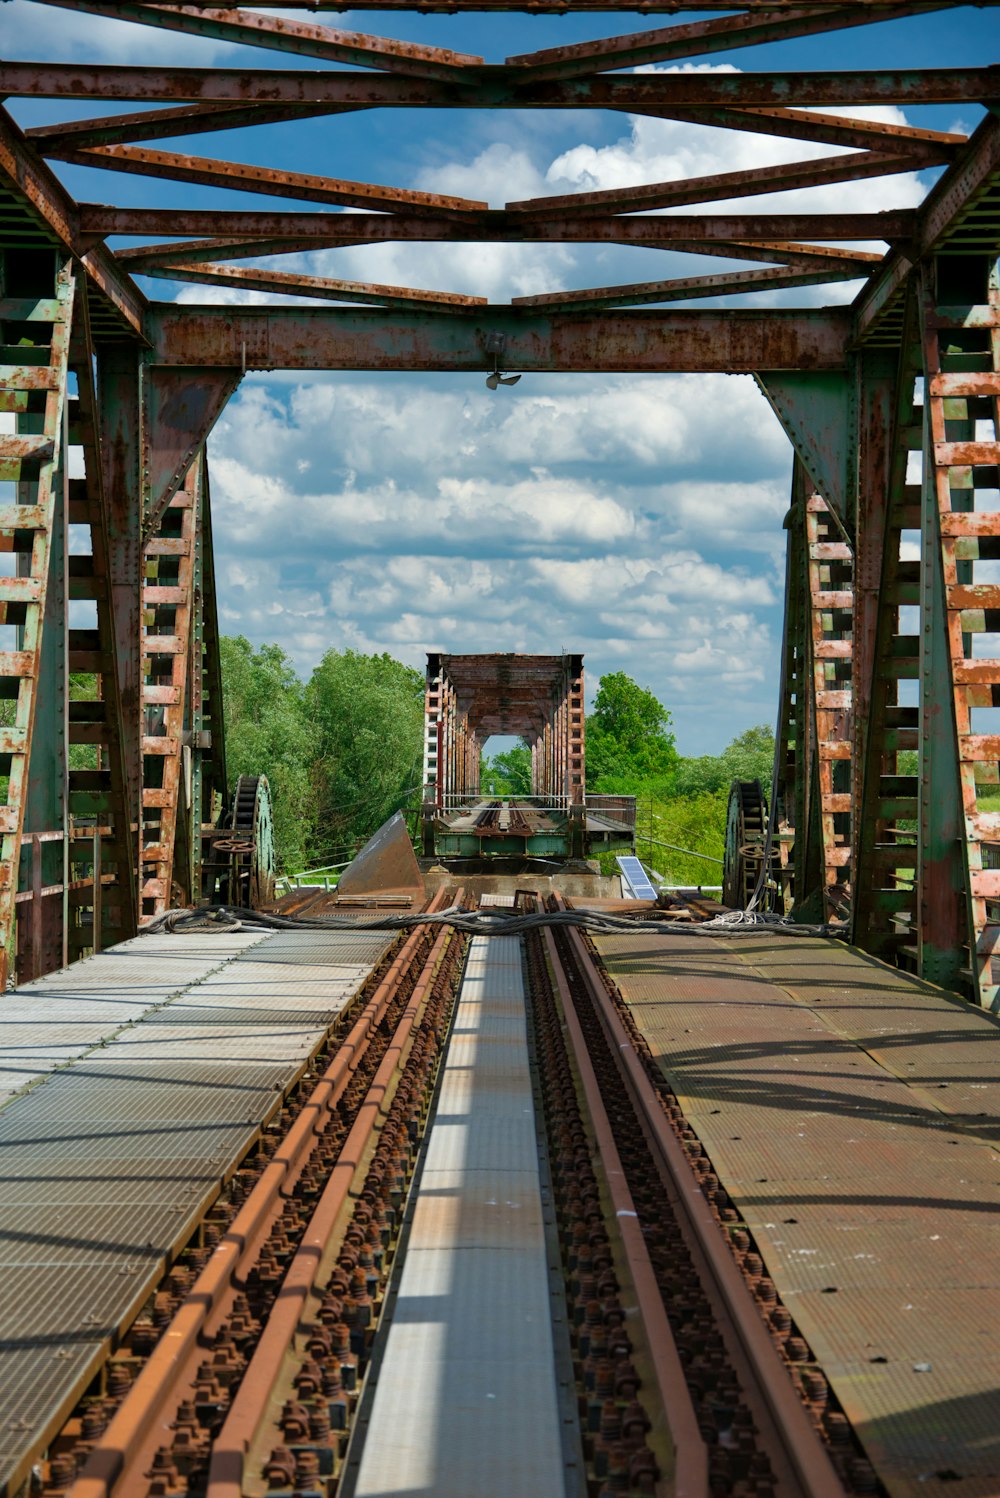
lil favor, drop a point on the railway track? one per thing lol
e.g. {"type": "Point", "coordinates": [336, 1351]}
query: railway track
{"type": "Point", "coordinates": [746, 1409]}
{"type": "Point", "coordinates": [507, 816]}
{"type": "Point", "coordinates": [245, 1374]}
{"type": "Point", "coordinates": [152, 1421]}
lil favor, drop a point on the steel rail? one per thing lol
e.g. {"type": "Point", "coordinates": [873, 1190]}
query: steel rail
{"type": "Point", "coordinates": [801, 1447]}
{"type": "Point", "coordinates": [144, 1415]}
{"type": "Point", "coordinates": [249, 1408]}
{"type": "Point", "coordinates": [691, 1452]}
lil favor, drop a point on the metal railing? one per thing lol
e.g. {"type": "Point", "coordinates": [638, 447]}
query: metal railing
{"type": "Point", "coordinates": [617, 808]}
{"type": "Point", "coordinates": [38, 891]}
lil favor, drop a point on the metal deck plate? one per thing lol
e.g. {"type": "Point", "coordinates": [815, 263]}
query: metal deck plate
{"type": "Point", "coordinates": [466, 1395]}
{"type": "Point", "coordinates": [874, 1202]}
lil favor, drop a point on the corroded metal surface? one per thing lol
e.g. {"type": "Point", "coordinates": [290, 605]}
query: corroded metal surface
{"type": "Point", "coordinates": [386, 862]}
{"type": "Point", "coordinates": [819, 1083]}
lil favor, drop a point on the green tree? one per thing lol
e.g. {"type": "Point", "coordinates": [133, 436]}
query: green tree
{"type": "Point", "coordinates": [367, 712]}
{"type": "Point", "coordinates": [507, 774]}
{"type": "Point", "coordinates": [268, 733]}
{"type": "Point", "coordinates": [750, 756]}
{"type": "Point", "coordinates": [628, 734]}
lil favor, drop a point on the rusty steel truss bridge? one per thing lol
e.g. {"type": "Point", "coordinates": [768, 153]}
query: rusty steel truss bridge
{"type": "Point", "coordinates": [891, 404]}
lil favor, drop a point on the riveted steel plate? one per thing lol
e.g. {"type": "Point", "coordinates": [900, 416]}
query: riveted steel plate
{"type": "Point", "coordinates": [864, 1200]}
{"type": "Point", "coordinates": [504, 1216]}
{"type": "Point", "coordinates": [956, 1486]}
{"type": "Point", "coordinates": [873, 1202]}
{"type": "Point", "coordinates": [56, 1042]}
{"type": "Point", "coordinates": [45, 1373]}
{"type": "Point", "coordinates": [835, 1257]}
{"type": "Point", "coordinates": [15, 1076]}
{"type": "Point", "coordinates": [903, 1326]}
{"type": "Point", "coordinates": [194, 1015]}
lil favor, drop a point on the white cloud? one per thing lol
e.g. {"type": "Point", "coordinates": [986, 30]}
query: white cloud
{"type": "Point", "coordinates": [30, 31]}
{"type": "Point", "coordinates": [575, 512]}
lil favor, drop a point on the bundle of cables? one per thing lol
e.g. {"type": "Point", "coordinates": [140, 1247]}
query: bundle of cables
{"type": "Point", "coordinates": [491, 922]}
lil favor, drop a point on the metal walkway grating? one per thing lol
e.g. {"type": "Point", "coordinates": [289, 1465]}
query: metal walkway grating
{"type": "Point", "coordinates": [179, 1048]}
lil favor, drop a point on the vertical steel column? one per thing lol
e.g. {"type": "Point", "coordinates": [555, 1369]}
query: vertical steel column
{"type": "Point", "coordinates": [103, 911]}
{"type": "Point", "coordinates": [576, 788]}
{"type": "Point", "coordinates": [47, 786]}
{"type": "Point", "coordinates": [433, 762]}
{"type": "Point", "coordinates": [959, 869]}
{"type": "Point", "coordinates": [886, 735]}
{"type": "Point", "coordinates": [194, 747]}
{"type": "Point", "coordinates": [35, 392]}
{"type": "Point", "coordinates": [577, 731]}
{"type": "Point", "coordinates": [167, 608]}
{"type": "Point", "coordinates": [797, 789]}
{"type": "Point", "coordinates": [118, 370]}
{"type": "Point", "coordinates": [831, 595]}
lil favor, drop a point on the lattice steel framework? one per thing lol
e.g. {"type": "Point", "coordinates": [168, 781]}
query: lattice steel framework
{"type": "Point", "coordinates": [891, 405]}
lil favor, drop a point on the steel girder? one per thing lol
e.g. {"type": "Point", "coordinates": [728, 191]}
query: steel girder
{"type": "Point", "coordinates": [470, 697]}
{"type": "Point", "coordinates": [75, 690]}
{"type": "Point", "coordinates": [889, 761]}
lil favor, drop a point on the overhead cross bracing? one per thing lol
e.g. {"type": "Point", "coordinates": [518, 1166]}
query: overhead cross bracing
{"type": "Point", "coordinates": [326, 70]}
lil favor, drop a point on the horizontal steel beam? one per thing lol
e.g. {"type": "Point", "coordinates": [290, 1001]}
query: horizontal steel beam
{"type": "Point", "coordinates": [699, 38]}
{"type": "Point", "coordinates": [200, 119]}
{"type": "Point", "coordinates": [624, 342]}
{"type": "Point", "coordinates": [271, 181]}
{"type": "Point", "coordinates": [290, 284]}
{"type": "Point", "coordinates": [690, 288]}
{"type": "Point", "coordinates": [498, 87]}
{"type": "Point", "coordinates": [725, 186]}
{"type": "Point", "coordinates": [180, 119]}
{"type": "Point", "coordinates": [296, 37]}
{"type": "Point", "coordinates": [690, 40]}
{"type": "Point", "coordinates": [496, 227]}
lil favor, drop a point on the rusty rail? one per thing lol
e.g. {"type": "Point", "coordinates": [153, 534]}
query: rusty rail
{"type": "Point", "coordinates": [786, 1430]}
{"type": "Point", "coordinates": [146, 1418]}
{"type": "Point", "coordinates": [690, 1453]}
{"type": "Point", "coordinates": [249, 1408]}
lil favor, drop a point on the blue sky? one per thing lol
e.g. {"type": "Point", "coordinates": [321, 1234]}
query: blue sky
{"type": "Point", "coordinates": [637, 519]}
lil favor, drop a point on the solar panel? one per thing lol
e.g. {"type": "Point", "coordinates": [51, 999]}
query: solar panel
{"type": "Point", "coordinates": [635, 882]}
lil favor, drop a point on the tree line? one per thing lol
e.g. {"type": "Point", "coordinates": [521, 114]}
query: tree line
{"type": "Point", "coordinates": [343, 750]}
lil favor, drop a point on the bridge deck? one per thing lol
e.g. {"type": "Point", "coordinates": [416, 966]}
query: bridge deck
{"type": "Point", "coordinates": [852, 1113]}
{"type": "Point", "coordinates": [146, 1073]}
